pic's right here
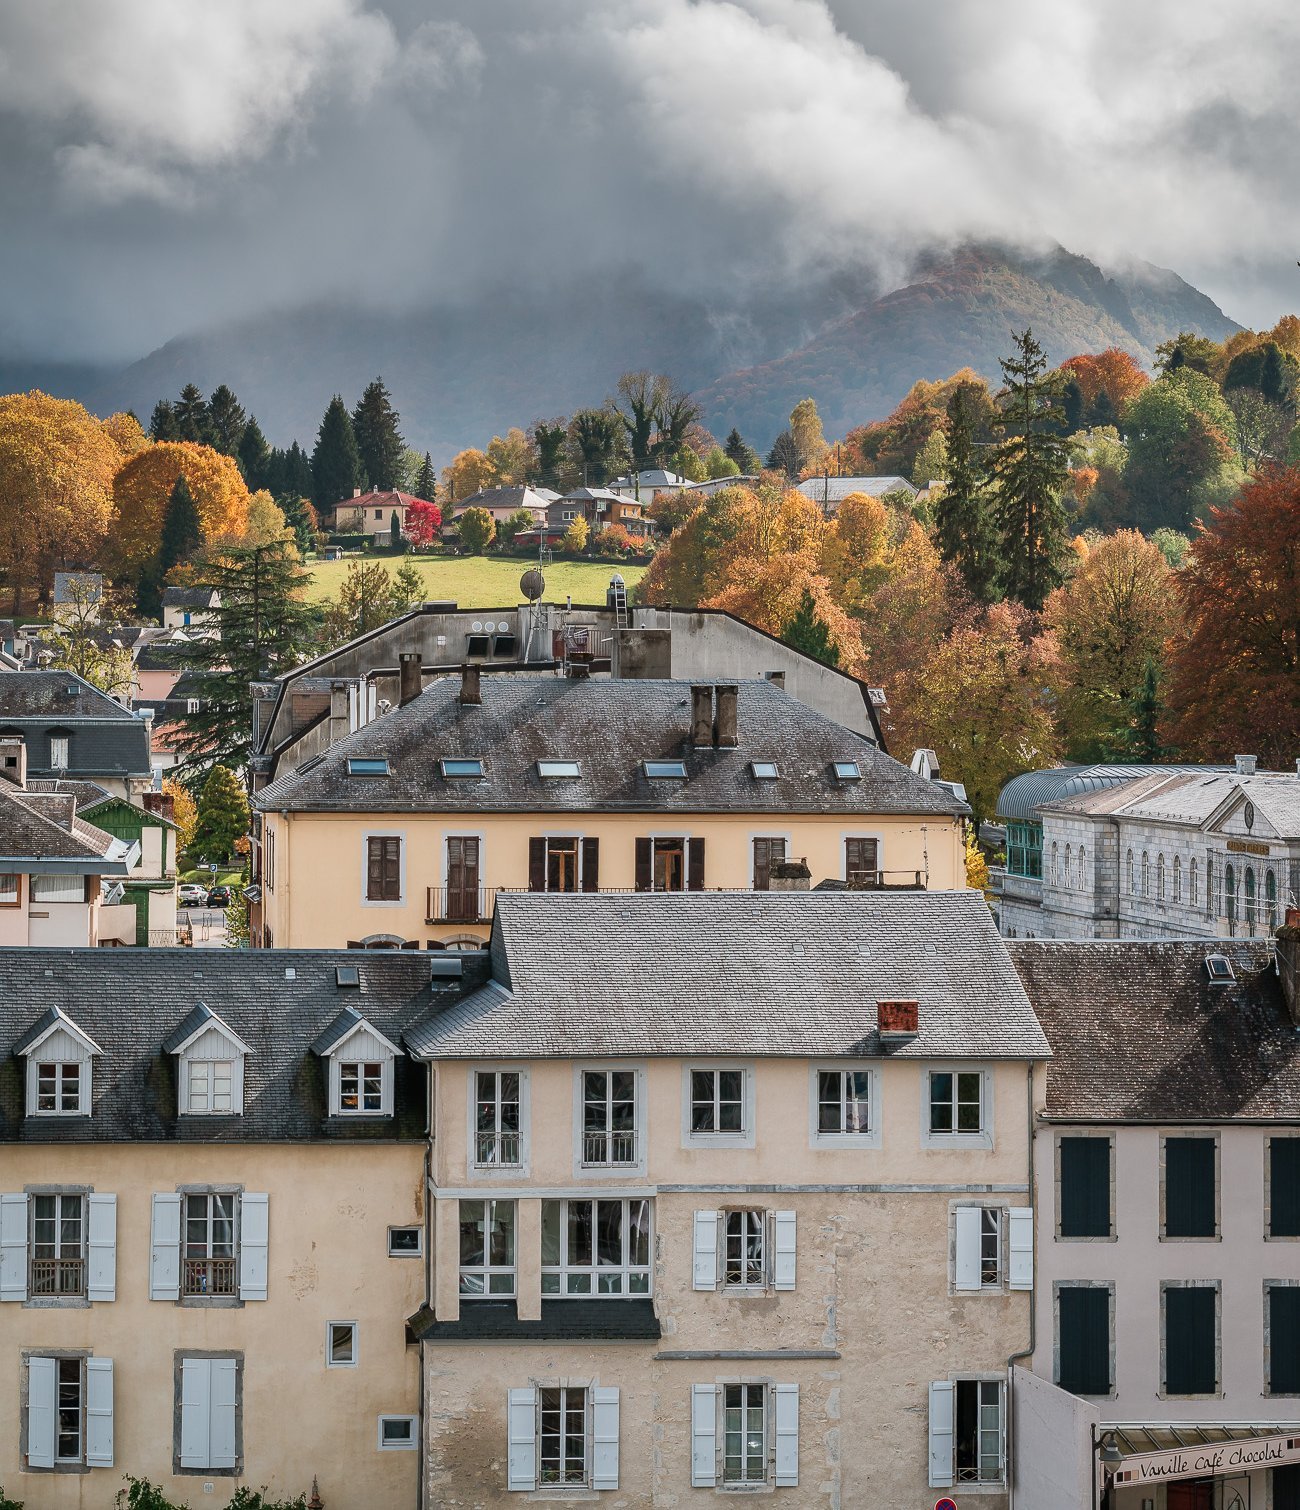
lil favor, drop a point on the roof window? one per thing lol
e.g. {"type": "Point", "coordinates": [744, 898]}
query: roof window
{"type": "Point", "coordinates": [368, 767]}
{"type": "Point", "coordinates": [764, 770]}
{"type": "Point", "coordinates": [847, 770]}
{"type": "Point", "coordinates": [347, 975]}
{"type": "Point", "coordinates": [556, 769]}
{"type": "Point", "coordinates": [460, 768]}
{"type": "Point", "coordinates": [659, 770]}
{"type": "Point", "coordinates": [1219, 968]}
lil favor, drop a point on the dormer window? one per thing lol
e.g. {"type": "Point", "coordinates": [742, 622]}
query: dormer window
{"type": "Point", "coordinates": [210, 1086]}
{"type": "Point", "coordinates": [59, 752]}
{"type": "Point", "coordinates": [209, 1065]}
{"type": "Point", "coordinates": [360, 1066]}
{"type": "Point", "coordinates": [58, 1087]}
{"type": "Point", "coordinates": [59, 1057]}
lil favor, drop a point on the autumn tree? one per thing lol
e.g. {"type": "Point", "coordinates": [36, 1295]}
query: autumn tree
{"type": "Point", "coordinates": [931, 463]}
{"type": "Point", "coordinates": [379, 442]}
{"type": "Point", "coordinates": [123, 429]}
{"type": "Point", "coordinates": [1113, 373]}
{"type": "Point", "coordinates": [223, 815]}
{"type": "Point", "coordinates": [717, 465]}
{"type": "Point", "coordinates": [370, 596]}
{"type": "Point", "coordinates": [79, 638]}
{"type": "Point", "coordinates": [267, 521]}
{"type": "Point", "coordinates": [891, 445]}
{"type": "Point", "coordinates": [184, 812]}
{"type": "Point", "coordinates": [511, 457]}
{"type": "Point", "coordinates": [143, 488]}
{"type": "Point", "coordinates": [1234, 676]}
{"type": "Point", "coordinates": [963, 514]}
{"type": "Point", "coordinates": [855, 551]}
{"type": "Point", "coordinates": [227, 421]}
{"type": "Point", "coordinates": [1182, 438]}
{"type": "Point", "coordinates": [476, 529]}
{"type": "Point", "coordinates": [467, 473]}
{"type": "Point", "coordinates": [423, 521]}
{"type": "Point", "coordinates": [575, 537]}
{"type": "Point", "coordinates": [806, 432]}
{"type": "Point", "coordinates": [336, 462]}
{"type": "Point", "coordinates": [509, 527]}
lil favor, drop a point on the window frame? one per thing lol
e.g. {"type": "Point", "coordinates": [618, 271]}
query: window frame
{"type": "Point", "coordinates": [339, 1065]}
{"type": "Point", "coordinates": [11, 896]}
{"type": "Point", "coordinates": [871, 1137]}
{"type": "Point", "coordinates": [848, 836]}
{"type": "Point", "coordinates": [559, 770]}
{"type": "Point", "coordinates": [1185, 1135]}
{"type": "Point", "coordinates": [1269, 1235]}
{"type": "Point", "coordinates": [1163, 1392]}
{"type": "Point", "coordinates": [562, 1484]}
{"type": "Point", "coordinates": [766, 1249]}
{"type": "Point", "coordinates": [486, 1270]}
{"type": "Point", "coordinates": [742, 1139]}
{"type": "Point", "coordinates": [60, 751]}
{"type": "Point", "coordinates": [584, 1168]}
{"type": "Point", "coordinates": [210, 1067]}
{"type": "Point", "coordinates": [487, 1170]}
{"type": "Point", "coordinates": [1058, 1185]}
{"type": "Point", "coordinates": [1269, 1392]}
{"type": "Point", "coordinates": [982, 1139]}
{"type": "Point", "coordinates": [980, 1484]}
{"type": "Point", "coordinates": [413, 1442]}
{"type": "Point", "coordinates": [178, 1363]}
{"type": "Point", "coordinates": [58, 1297]}
{"type": "Point", "coordinates": [745, 1484]}
{"type": "Point", "coordinates": [369, 837]}
{"type": "Point", "coordinates": [37, 887]}
{"type": "Point", "coordinates": [416, 1252]}
{"type": "Point", "coordinates": [211, 1193]}
{"type": "Point", "coordinates": [564, 1268]}
{"type": "Point", "coordinates": [59, 1356]}
{"type": "Point", "coordinates": [664, 770]}
{"type": "Point", "coordinates": [82, 1070]}
{"type": "Point", "coordinates": [1084, 1284]}
{"type": "Point", "coordinates": [354, 1334]}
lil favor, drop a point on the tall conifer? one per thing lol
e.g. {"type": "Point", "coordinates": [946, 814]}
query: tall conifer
{"type": "Point", "coordinates": [335, 463]}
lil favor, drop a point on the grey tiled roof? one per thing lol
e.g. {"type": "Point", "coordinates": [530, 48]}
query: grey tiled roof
{"type": "Point", "coordinates": [132, 1001]}
{"type": "Point", "coordinates": [1025, 793]}
{"type": "Point", "coordinates": [611, 727]}
{"type": "Point", "coordinates": [1139, 1034]}
{"type": "Point", "coordinates": [105, 739]}
{"type": "Point", "coordinates": [29, 831]}
{"type": "Point", "coordinates": [837, 489]}
{"type": "Point", "coordinates": [343, 1024]}
{"type": "Point", "coordinates": [189, 597]}
{"type": "Point", "coordinates": [568, 1320]}
{"type": "Point", "coordinates": [760, 973]}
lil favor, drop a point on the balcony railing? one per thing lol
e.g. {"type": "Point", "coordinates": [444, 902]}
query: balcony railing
{"type": "Point", "coordinates": [58, 1276]}
{"type": "Point", "coordinates": [210, 1276]}
{"type": "Point", "coordinates": [608, 1148]}
{"type": "Point", "coordinates": [459, 904]}
{"type": "Point", "coordinates": [496, 1149]}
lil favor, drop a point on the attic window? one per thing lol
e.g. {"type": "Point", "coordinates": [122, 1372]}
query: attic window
{"type": "Point", "coordinates": [367, 767]}
{"type": "Point", "coordinates": [347, 975]}
{"type": "Point", "coordinates": [555, 769]}
{"type": "Point", "coordinates": [764, 770]}
{"type": "Point", "coordinates": [673, 770]}
{"type": "Point", "coordinates": [847, 770]}
{"type": "Point", "coordinates": [1219, 968]}
{"type": "Point", "coordinates": [453, 769]}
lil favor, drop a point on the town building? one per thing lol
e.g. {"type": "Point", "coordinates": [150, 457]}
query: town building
{"type": "Point", "coordinates": [600, 508]}
{"type": "Point", "coordinates": [1167, 1187]}
{"type": "Point", "coordinates": [401, 834]}
{"type": "Point", "coordinates": [371, 513]}
{"type": "Point", "coordinates": [71, 729]}
{"type": "Point", "coordinates": [647, 485]}
{"type": "Point", "coordinates": [190, 608]}
{"type": "Point", "coordinates": [830, 492]}
{"type": "Point", "coordinates": [502, 503]}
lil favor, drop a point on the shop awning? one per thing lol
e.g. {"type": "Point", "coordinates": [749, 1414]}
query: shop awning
{"type": "Point", "coordinates": [1160, 1453]}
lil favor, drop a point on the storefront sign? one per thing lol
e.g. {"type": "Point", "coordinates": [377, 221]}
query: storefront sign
{"type": "Point", "coordinates": [1241, 1456]}
{"type": "Point", "coordinates": [1247, 847]}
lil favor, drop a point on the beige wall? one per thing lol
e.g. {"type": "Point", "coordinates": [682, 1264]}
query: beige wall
{"type": "Point", "coordinates": [72, 925]}
{"type": "Point", "coordinates": [318, 897]}
{"type": "Point", "coordinates": [330, 1208]}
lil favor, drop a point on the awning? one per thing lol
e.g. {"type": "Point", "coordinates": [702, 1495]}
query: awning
{"type": "Point", "coordinates": [1166, 1452]}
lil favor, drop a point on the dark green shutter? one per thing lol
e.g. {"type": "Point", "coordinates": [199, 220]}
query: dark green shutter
{"type": "Point", "coordinates": [1085, 1187]}
{"type": "Point", "coordinates": [1284, 1340]}
{"type": "Point", "coordinates": [1286, 1487]}
{"type": "Point", "coordinates": [1189, 1187]}
{"type": "Point", "coordinates": [1189, 1341]}
{"type": "Point", "coordinates": [1284, 1188]}
{"type": "Point", "coordinates": [1084, 1312]}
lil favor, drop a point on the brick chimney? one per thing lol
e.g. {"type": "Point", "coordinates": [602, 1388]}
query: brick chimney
{"type": "Point", "coordinates": [1288, 962]}
{"type": "Point", "coordinates": [728, 735]}
{"type": "Point", "coordinates": [470, 693]}
{"type": "Point", "coordinates": [702, 717]}
{"type": "Point", "coordinates": [13, 759]}
{"type": "Point", "coordinates": [409, 666]}
{"type": "Point", "coordinates": [162, 803]}
{"type": "Point", "coordinates": [898, 1021]}
{"type": "Point", "coordinates": [790, 875]}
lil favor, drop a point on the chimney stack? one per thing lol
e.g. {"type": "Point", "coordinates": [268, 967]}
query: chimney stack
{"type": "Point", "coordinates": [727, 732]}
{"type": "Point", "coordinates": [1245, 765]}
{"type": "Point", "coordinates": [790, 875]}
{"type": "Point", "coordinates": [13, 759]}
{"type": "Point", "coordinates": [409, 666]}
{"type": "Point", "coordinates": [898, 1021]}
{"type": "Point", "coordinates": [162, 803]}
{"type": "Point", "coordinates": [1288, 962]}
{"type": "Point", "coordinates": [702, 717]}
{"type": "Point", "coordinates": [470, 693]}
{"type": "Point", "coordinates": [339, 718]}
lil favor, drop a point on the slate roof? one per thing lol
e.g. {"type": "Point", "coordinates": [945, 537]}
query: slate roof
{"type": "Point", "coordinates": [189, 597]}
{"type": "Point", "coordinates": [106, 739]}
{"type": "Point", "coordinates": [610, 727]}
{"type": "Point", "coordinates": [132, 1001]}
{"type": "Point", "coordinates": [1024, 794]}
{"type": "Point", "coordinates": [758, 974]}
{"type": "Point", "coordinates": [1139, 1034]}
{"type": "Point", "coordinates": [569, 1320]}
{"type": "Point", "coordinates": [54, 840]}
{"type": "Point", "coordinates": [86, 794]}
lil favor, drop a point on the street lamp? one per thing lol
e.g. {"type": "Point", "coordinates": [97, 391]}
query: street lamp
{"type": "Point", "coordinates": [1106, 1448]}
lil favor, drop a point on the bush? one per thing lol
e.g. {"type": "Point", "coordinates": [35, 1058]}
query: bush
{"type": "Point", "coordinates": [140, 1494]}
{"type": "Point", "coordinates": [6, 1503]}
{"type": "Point", "coordinates": [348, 542]}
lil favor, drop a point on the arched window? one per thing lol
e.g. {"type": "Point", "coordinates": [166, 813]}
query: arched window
{"type": "Point", "coordinates": [1191, 884]}
{"type": "Point", "coordinates": [1248, 911]}
{"type": "Point", "coordinates": [1230, 895]}
{"type": "Point", "coordinates": [1051, 874]}
{"type": "Point", "coordinates": [1178, 879]}
{"type": "Point", "coordinates": [1069, 874]}
{"type": "Point", "coordinates": [1146, 874]}
{"type": "Point", "coordinates": [1211, 901]}
{"type": "Point", "coordinates": [1270, 899]}
{"type": "Point", "coordinates": [1160, 878]}
{"type": "Point", "coordinates": [1129, 863]}
{"type": "Point", "coordinates": [1083, 872]}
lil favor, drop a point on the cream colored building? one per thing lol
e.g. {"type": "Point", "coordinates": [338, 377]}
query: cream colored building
{"type": "Point", "coordinates": [404, 832]}
{"type": "Point", "coordinates": [730, 1195]}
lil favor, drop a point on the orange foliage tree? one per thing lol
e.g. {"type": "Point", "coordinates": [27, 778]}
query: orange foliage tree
{"type": "Point", "coordinates": [124, 430]}
{"type": "Point", "coordinates": [144, 484]}
{"type": "Point", "coordinates": [1112, 372]}
{"type": "Point", "coordinates": [890, 445]}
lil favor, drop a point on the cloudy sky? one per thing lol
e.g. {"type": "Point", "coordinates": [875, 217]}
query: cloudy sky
{"type": "Point", "coordinates": [166, 165]}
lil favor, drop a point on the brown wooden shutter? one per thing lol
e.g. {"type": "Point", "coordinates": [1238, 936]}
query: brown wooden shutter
{"type": "Point", "coordinates": [591, 865]}
{"type": "Point", "coordinates": [462, 879]}
{"type": "Point", "coordinates": [537, 865]}
{"type": "Point", "coordinates": [860, 858]}
{"type": "Point", "coordinates": [644, 865]}
{"type": "Point", "coordinates": [695, 865]}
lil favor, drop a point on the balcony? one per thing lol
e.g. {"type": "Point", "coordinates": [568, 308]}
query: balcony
{"type": "Point", "coordinates": [58, 1276]}
{"type": "Point", "coordinates": [473, 904]}
{"type": "Point", "coordinates": [496, 1150]}
{"type": "Point", "coordinates": [210, 1277]}
{"type": "Point", "coordinates": [608, 1149]}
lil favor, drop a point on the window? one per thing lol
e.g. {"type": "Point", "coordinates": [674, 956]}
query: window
{"type": "Point", "coordinates": [1178, 879]}
{"type": "Point", "coordinates": [464, 900]}
{"type": "Point", "coordinates": [209, 1422]}
{"type": "Point", "coordinates": [58, 1088]}
{"type": "Point", "coordinates": [210, 1086]}
{"type": "Point", "coordinates": [1083, 868]}
{"type": "Point", "coordinates": [1190, 1324]}
{"type": "Point", "coordinates": [717, 1102]}
{"type": "Point", "coordinates": [1025, 849]}
{"type": "Point", "coordinates": [609, 1106]}
{"type": "Point", "coordinates": [398, 1433]}
{"type": "Point", "coordinates": [670, 864]}
{"type": "Point", "coordinates": [1146, 874]}
{"type": "Point", "coordinates": [1284, 1187]}
{"type": "Point", "coordinates": [361, 1087]}
{"type": "Point", "coordinates": [487, 1248]}
{"type": "Point", "coordinates": [554, 863]}
{"type": "Point", "coordinates": [405, 1242]}
{"type": "Point", "coordinates": [767, 853]}
{"type": "Point", "coordinates": [58, 889]}
{"type": "Point", "coordinates": [990, 1248]}
{"type": "Point", "coordinates": [556, 770]}
{"type": "Point", "coordinates": [1128, 867]}
{"type": "Point", "coordinates": [665, 770]}
{"type": "Point", "coordinates": [209, 1269]}
{"type": "Point", "coordinates": [59, 751]}
{"type": "Point", "coordinates": [979, 1431]}
{"type": "Point", "coordinates": [497, 1119]}
{"type": "Point", "coordinates": [1191, 884]}
{"type": "Point", "coordinates": [1083, 1352]}
{"type": "Point", "coordinates": [1249, 912]}
{"type": "Point", "coordinates": [1282, 1317]}
{"type": "Point", "coordinates": [367, 767]}
{"type": "Point", "coordinates": [744, 1249]}
{"type": "Point", "coordinates": [10, 890]}
{"type": "Point", "coordinates": [58, 1253]}
{"type": "Point", "coordinates": [1067, 877]}
{"type": "Point", "coordinates": [956, 1103]}
{"type": "Point", "coordinates": [861, 861]}
{"type": "Point", "coordinates": [1190, 1187]}
{"type": "Point", "coordinates": [1160, 878]}
{"type": "Point", "coordinates": [744, 1434]}
{"type": "Point", "coordinates": [1085, 1187]}
{"type": "Point", "coordinates": [744, 1253]}
{"type": "Point", "coordinates": [595, 1247]}
{"type": "Point", "coordinates": [460, 769]}
{"type": "Point", "coordinates": [1270, 899]}
{"type": "Point", "coordinates": [192, 704]}
{"type": "Point", "coordinates": [1051, 869]}
{"type": "Point", "coordinates": [847, 770]}
{"type": "Point", "coordinates": [562, 1436]}
{"type": "Point", "coordinates": [1229, 895]}
{"type": "Point", "coordinates": [843, 1104]}
{"type": "Point", "coordinates": [383, 868]}
{"type": "Point", "coordinates": [340, 1344]}
{"type": "Point", "coordinates": [69, 1412]}
{"type": "Point", "coordinates": [764, 770]}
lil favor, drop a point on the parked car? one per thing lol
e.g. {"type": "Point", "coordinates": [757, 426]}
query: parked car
{"type": "Point", "coordinates": [219, 896]}
{"type": "Point", "coordinates": [191, 894]}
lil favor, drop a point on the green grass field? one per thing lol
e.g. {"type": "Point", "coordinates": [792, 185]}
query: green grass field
{"type": "Point", "coordinates": [485, 581]}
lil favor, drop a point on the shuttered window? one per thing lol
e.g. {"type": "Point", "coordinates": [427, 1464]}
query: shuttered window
{"type": "Point", "coordinates": [861, 860]}
{"type": "Point", "coordinates": [1085, 1187]}
{"type": "Point", "coordinates": [670, 864]}
{"type": "Point", "coordinates": [1190, 1203]}
{"type": "Point", "coordinates": [1284, 1187]}
{"type": "Point", "coordinates": [767, 853]}
{"type": "Point", "coordinates": [208, 1424]}
{"type": "Point", "coordinates": [1190, 1324]}
{"type": "Point", "coordinates": [1286, 1487]}
{"type": "Point", "coordinates": [384, 869]}
{"type": "Point", "coordinates": [1083, 1339]}
{"type": "Point", "coordinates": [1284, 1340]}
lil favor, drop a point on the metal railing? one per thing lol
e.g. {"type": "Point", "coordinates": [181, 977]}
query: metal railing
{"type": "Point", "coordinates": [58, 1276]}
{"type": "Point", "coordinates": [210, 1276]}
{"type": "Point", "coordinates": [459, 904]}
{"type": "Point", "coordinates": [496, 1149]}
{"type": "Point", "coordinates": [609, 1148]}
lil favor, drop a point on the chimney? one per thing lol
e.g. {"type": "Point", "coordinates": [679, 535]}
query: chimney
{"type": "Point", "coordinates": [162, 803]}
{"type": "Point", "coordinates": [777, 678]}
{"type": "Point", "coordinates": [1288, 962]}
{"type": "Point", "coordinates": [1245, 765]}
{"type": "Point", "coordinates": [356, 492]}
{"type": "Point", "coordinates": [409, 664]}
{"type": "Point", "coordinates": [470, 694]}
{"type": "Point", "coordinates": [702, 717]}
{"type": "Point", "coordinates": [898, 1021]}
{"type": "Point", "coordinates": [340, 720]}
{"type": "Point", "coordinates": [728, 736]}
{"type": "Point", "coordinates": [13, 759]}
{"type": "Point", "coordinates": [790, 875]}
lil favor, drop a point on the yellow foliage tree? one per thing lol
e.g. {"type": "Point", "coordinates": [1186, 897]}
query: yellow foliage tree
{"type": "Point", "coordinates": [185, 812]}
{"type": "Point", "coordinates": [510, 457]}
{"type": "Point", "coordinates": [124, 430]}
{"type": "Point", "coordinates": [977, 867]}
{"type": "Point", "coordinates": [56, 488]}
{"type": "Point", "coordinates": [145, 482]}
{"type": "Point", "coordinates": [809, 440]}
{"type": "Point", "coordinates": [467, 472]}
{"type": "Point", "coordinates": [856, 549]}
{"type": "Point", "coordinates": [266, 520]}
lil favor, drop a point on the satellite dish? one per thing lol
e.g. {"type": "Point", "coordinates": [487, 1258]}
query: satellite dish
{"type": "Point", "coordinates": [532, 584]}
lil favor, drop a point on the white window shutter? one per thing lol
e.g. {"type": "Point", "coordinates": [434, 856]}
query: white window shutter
{"type": "Point", "coordinates": [706, 1250]}
{"type": "Point", "coordinates": [196, 1411]}
{"type": "Point", "coordinates": [99, 1412]}
{"type": "Point", "coordinates": [101, 1247]}
{"type": "Point", "coordinates": [783, 1250]}
{"type": "Point", "coordinates": [942, 1410]}
{"type": "Point", "coordinates": [522, 1432]}
{"type": "Point", "coordinates": [254, 1231]}
{"type": "Point", "coordinates": [787, 1435]}
{"type": "Point", "coordinates": [13, 1247]}
{"type": "Point", "coordinates": [165, 1248]}
{"type": "Point", "coordinates": [42, 1411]}
{"type": "Point", "coordinates": [221, 1429]}
{"type": "Point", "coordinates": [604, 1437]}
{"type": "Point", "coordinates": [966, 1269]}
{"type": "Point", "coordinates": [1020, 1248]}
{"type": "Point", "coordinates": [704, 1436]}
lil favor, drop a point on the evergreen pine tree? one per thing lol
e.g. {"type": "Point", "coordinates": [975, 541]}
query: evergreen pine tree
{"type": "Point", "coordinates": [1029, 467]}
{"type": "Point", "coordinates": [379, 442]}
{"type": "Point", "coordinates": [297, 513]}
{"type": "Point", "coordinates": [223, 815]}
{"type": "Point", "coordinates": [182, 529]}
{"type": "Point", "coordinates": [426, 480]}
{"type": "Point", "coordinates": [741, 452]}
{"type": "Point", "coordinates": [395, 532]}
{"type": "Point", "coordinates": [162, 423]}
{"type": "Point", "coordinates": [191, 415]}
{"type": "Point", "coordinates": [1274, 381]}
{"type": "Point", "coordinates": [963, 527]}
{"type": "Point", "coordinates": [1102, 412]}
{"type": "Point", "coordinates": [1142, 737]}
{"type": "Point", "coordinates": [784, 455]}
{"type": "Point", "coordinates": [336, 462]}
{"type": "Point", "coordinates": [255, 457]}
{"type": "Point", "coordinates": [807, 633]}
{"type": "Point", "coordinates": [1073, 404]}
{"type": "Point", "coordinates": [226, 421]}
{"type": "Point", "coordinates": [297, 472]}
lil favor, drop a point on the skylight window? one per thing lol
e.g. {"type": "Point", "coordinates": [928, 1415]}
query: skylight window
{"type": "Point", "coordinates": [347, 975]}
{"type": "Point", "coordinates": [847, 770]}
{"type": "Point", "coordinates": [368, 767]}
{"type": "Point", "coordinates": [764, 770]}
{"type": "Point", "coordinates": [462, 768]}
{"type": "Point", "coordinates": [554, 769]}
{"type": "Point", "coordinates": [673, 770]}
{"type": "Point", "coordinates": [1219, 968]}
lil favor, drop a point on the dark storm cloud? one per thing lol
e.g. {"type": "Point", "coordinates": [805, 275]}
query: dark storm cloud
{"type": "Point", "coordinates": [164, 167]}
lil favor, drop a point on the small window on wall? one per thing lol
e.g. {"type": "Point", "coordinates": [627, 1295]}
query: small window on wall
{"type": "Point", "coordinates": [956, 1107]}
{"type": "Point", "coordinates": [10, 890]}
{"type": "Point", "coordinates": [398, 1433]}
{"type": "Point", "coordinates": [59, 751]}
{"type": "Point", "coordinates": [341, 1344]}
{"type": "Point", "coordinates": [404, 1242]}
{"type": "Point", "coordinates": [1284, 1186]}
{"type": "Point", "coordinates": [1085, 1182]}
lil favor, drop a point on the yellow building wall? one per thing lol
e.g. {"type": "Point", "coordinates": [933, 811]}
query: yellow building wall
{"type": "Point", "coordinates": [317, 899]}
{"type": "Point", "coordinates": [330, 1208]}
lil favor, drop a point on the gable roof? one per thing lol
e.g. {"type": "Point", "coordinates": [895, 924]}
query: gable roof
{"type": "Point", "coordinates": [837, 489]}
{"type": "Point", "coordinates": [348, 1022]}
{"type": "Point", "coordinates": [190, 597]}
{"type": "Point", "coordinates": [48, 1022]}
{"type": "Point", "coordinates": [755, 974]}
{"type": "Point", "coordinates": [36, 835]}
{"type": "Point", "coordinates": [107, 739]}
{"type": "Point", "coordinates": [1138, 1034]}
{"type": "Point", "coordinates": [611, 727]}
{"type": "Point", "coordinates": [198, 1020]}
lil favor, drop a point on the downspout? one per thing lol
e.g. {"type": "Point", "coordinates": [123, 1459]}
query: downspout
{"type": "Point", "coordinates": [282, 927]}
{"type": "Point", "coordinates": [1028, 1352]}
{"type": "Point", "coordinates": [428, 1281]}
